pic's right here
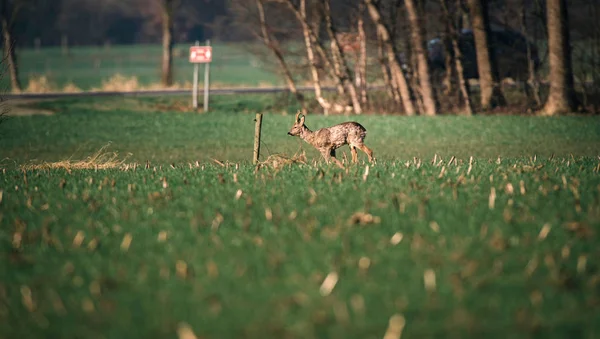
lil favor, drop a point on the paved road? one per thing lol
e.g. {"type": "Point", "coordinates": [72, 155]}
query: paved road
{"type": "Point", "coordinates": [221, 91]}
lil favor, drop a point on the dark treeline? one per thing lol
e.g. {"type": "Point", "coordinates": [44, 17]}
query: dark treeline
{"type": "Point", "coordinates": [94, 22]}
{"type": "Point", "coordinates": [97, 22]}
{"type": "Point", "coordinates": [427, 51]}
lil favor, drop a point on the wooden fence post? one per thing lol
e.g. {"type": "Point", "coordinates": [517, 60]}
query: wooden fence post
{"type": "Point", "coordinates": [257, 132]}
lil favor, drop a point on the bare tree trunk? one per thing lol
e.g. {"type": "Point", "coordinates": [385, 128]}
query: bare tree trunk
{"type": "Point", "coordinates": [390, 50]}
{"type": "Point", "coordinates": [595, 62]}
{"type": "Point", "coordinates": [491, 92]}
{"type": "Point", "coordinates": [450, 74]}
{"type": "Point", "coordinates": [10, 56]}
{"type": "Point", "coordinates": [532, 84]}
{"type": "Point", "coordinates": [273, 46]}
{"type": "Point", "coordinates": [339, 61]}
{"type": "Point", "coordinates": [167, 42]}
{"type": "Point", "coordinates": [391, 86]}
{"type": "Point", "coordinates": [362, 59]}
{"type": "Point", "coordinates": [430, 104]}
{"type": "Point", "coordinates": [562, 90]}
{"type": "Point", "coordinates": [316, 43]}
{"type": "Point", "coordinates": [413, 78]}
{"type": "Point", "coordinates": [460, 70]}
{"type": "Point", "coordinates": [311, 59]}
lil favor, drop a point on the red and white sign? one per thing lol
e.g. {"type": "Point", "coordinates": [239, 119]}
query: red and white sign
{"type": "Point", "coordinates": [200, 54]}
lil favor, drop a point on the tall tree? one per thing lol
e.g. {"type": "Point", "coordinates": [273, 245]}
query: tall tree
{"type": "Point", "coordinates": [273, 45]}
{"type": "Point", "coordinates": [430, 104]}
{"type": "Point", "coordinates": [361, 72]}
{"type": "Point", "coordinates": [397, 75]}
{"type": "Point", "coordinates": [491, 93]}
{"type": "Point", "coordinates": [168, 8]}
{"type": "Point", "coordinates": [340, 63]}
{"type": "Point", "coordinates": [532, 83]}
{"type": "Point", "coordinates": [315, 44]}
{"type": "Point", "coordinates": [453, 34]}
{"type": "Point", "coordinates": [9, 10]}
{"type": "Point", "coordinates": [561, 98]}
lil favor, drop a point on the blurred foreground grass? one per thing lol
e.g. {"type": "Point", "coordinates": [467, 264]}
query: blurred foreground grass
{"type": "Point", "coordinates": [503, 246]}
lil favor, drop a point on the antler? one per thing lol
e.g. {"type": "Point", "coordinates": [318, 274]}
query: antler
{"type": "Point", "coordinates": [298, 116]}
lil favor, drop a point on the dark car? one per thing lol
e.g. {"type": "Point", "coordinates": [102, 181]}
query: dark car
{"type": "Point", "coordinates": [509, 46]}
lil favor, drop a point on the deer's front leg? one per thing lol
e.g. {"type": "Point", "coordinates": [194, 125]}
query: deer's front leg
{"type": "Point", "coordinates": [326, 154]}
{"type": "Point", "coordinates": [354, 153]}
{"type": "Point", "coordinates": [329, 154]}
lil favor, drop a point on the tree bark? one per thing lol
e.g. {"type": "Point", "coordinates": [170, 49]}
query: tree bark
{"type": "Point", "coordinates": [361, 74]}
{"type": "Point", "coordinates": [339, 61]}
{"type": "Point", "coordinates": [453, 32]}
{"type": "Point", "coordinates": [308, 41]}
{"type": "Point", "coordinates": [491, 92]}
{"type": "Point", "coordinates": [10, 56]}
{"type": "Point", "coordinates": [273, 46]}
{"type": "Point", "coordinates": [300, 14]}
{"type": "Point", "coordinates": [390, 51]}
{"type": "Point", "coordinates": [561, 98]}
{"type": "Point", "coordinates": [391, 86]}
{"type": "Point", "coordinates": [450, 76]}
{"type": "Point", "coordinates": [532, 83]}
{"type": "Point", "coordinates": [168, 8]}
{"type": "Point", "coordinates": [430, 104]}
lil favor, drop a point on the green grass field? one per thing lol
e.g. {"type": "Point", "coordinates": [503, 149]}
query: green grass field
{"type": "Point", "coordinates": [506, 246]}
{"type": "Point", "coordinates": [163, 130]}
{"type": "Point", "coordinates": [88, 67]}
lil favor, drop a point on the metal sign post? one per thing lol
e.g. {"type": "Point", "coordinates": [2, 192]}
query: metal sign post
{"type": "Point", "coordinates": [195, 84]}
{"type": "Point", "coordinates": [201, 54]}
{"type": "Point", "coordinates": [206, 80]}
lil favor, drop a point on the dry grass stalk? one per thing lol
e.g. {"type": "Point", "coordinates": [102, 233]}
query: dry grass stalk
{"type": "Point", "coordinates": [27, 298]}
{"type": "Point", "coordinates": [395, 327]}
{"type": "Point", "coordinates": [429, 280]}
{"type": "Point", "coordinates": [126, 242]}
{"type": "Point", "coordinates": [329, 284]}
{"type": "Point", "coordinates": [492, 198]}
{"type": "Point", "coordinates": [544, 232]}
{"type": "Point", "coordinates": [184, 331]}
{"type": "Point", "coordinates": [396, 238]}
{"type": "Point", "coordinates": [581, 264]}
{"type": "Point", "coordinates": [78, 239]}
{"type": "Point", "coordinates": [364, 263]}
{"type": "Point", "coordinates": [162, 236]}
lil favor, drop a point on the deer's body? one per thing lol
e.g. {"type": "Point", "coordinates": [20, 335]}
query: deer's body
{"type": "Point", "coordinates": [328, 139]}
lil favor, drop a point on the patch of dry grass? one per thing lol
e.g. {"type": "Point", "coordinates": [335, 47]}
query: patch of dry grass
{"type": "Point", "coordinates": [119, 83]}
{"type": "Point", "coordinates": [99, 160]}
{"type": "Point", "coordinates": [123, 83]}
{"type": "Point", "coordinates": [43, 84]}
{"type": "Point", "coordinates": [278, 161]}
{"type": "Point", "coordinates": [40, 84]}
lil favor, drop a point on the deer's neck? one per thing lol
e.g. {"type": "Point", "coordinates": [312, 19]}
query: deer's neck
{"type": "Point", "coordinates": [307, 135]}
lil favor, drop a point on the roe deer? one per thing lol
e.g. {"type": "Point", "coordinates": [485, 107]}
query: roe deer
{"type": "Point", "coordinates": [327, 140]}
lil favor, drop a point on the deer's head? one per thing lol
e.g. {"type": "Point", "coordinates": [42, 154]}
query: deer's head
{"type": "Point", "coordinates": [298, 125]}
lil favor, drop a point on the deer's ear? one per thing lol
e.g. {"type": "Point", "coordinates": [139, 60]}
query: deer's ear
{"type": "Point", "coordinates": [302, 120]}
